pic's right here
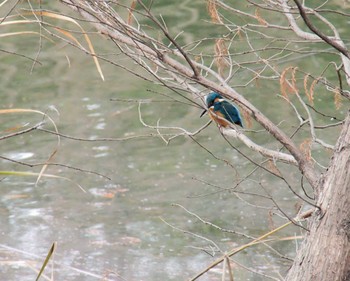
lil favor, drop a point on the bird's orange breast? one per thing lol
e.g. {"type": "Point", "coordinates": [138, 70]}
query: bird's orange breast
{"type": "Point", "coordinates": [219, 118]}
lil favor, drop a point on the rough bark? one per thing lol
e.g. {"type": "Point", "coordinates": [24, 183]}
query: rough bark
{"type": "Point", "coordinates": [325, 253]}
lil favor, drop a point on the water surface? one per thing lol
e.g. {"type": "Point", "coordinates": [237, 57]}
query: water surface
{"type": "Point", "coordinates": [129, 224]}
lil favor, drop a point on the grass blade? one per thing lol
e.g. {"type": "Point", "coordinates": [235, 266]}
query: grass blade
{"type": "Point", "coordinates": [49, 255]}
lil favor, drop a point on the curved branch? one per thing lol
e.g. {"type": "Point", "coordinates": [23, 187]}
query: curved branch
{"type": "Point", "coordinates": [275, 155]}
{"type": "Point", "coordinates": [315, 37]}
{"type": "Point", "coordinates": [324, 37]}
{"type": "Point", "coordinates": [166, 61]}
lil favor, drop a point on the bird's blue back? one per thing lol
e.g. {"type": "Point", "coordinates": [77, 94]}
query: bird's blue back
{"type": "Point", "coordinates": [229, 111]}
{"type": "Point", "coordinates": [224, 108]}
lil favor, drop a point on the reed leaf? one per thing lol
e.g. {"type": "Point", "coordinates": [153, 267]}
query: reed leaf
{"type": "Point", "coordinates": [87, 39]}
{"type": "Point", "coordinates": [49, 255]}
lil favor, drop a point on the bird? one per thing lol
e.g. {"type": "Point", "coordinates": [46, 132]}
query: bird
{"type": "Point", "coordinates": [223, 112]}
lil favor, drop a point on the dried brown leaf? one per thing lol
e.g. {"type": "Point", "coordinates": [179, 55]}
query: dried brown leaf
{"type": "Point", "coordinates": [273, 168]}
{"type": "Point", "coordinates": [221, 53]}
{"type": "Point", "coordinates": [311, 90]}
{"type": "Point", "coordinates": [197, 58]}
{"type": "Point", "coordinates": [132, 8]}
{"type": "Point", "coordinates": [259, 18]}
{"type": "Point", "coordinates": [87, 38]}
{"type": "Point", "coordinates": [294, 80]}
{"type": "Point", "coordinates": [306, 78]}
{"type": "Point", "coordinates": [213, 12]}
{"type": "Point", "coordinates": [337, 98]}
{"type": "Point", "coordinates": [287, 86]}
{"type": "Point", "coordinates": [305, 148]}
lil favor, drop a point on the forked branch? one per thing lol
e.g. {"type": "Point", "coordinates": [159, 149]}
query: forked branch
{"type": "Point", "coordinates": [170, 62]}
{"type": "Point", "coordinates": [319, 33]}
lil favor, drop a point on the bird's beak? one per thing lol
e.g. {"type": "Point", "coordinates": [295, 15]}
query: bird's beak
{"type": "Point", "coordinates": [204, 112]}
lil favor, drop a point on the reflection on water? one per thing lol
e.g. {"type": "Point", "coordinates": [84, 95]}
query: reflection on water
{"type": "Point", "coordinates": [124, 228]}
{"type": "Point", "coordinates": [15, 155]}
{"type": "Point", "coordinates": [116, 229]}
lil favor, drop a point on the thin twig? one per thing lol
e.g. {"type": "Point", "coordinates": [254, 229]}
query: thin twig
{"type": "Point", "coordinates": [243, 247]}
{"type": "Point", "coordinates": [211, 224]}
{"type": "Point", "coordinates": [54, 164]}
{"type": "Point", "coordinates": [315, 30]}
{"type": "Point", "coordinates": [35, 127]}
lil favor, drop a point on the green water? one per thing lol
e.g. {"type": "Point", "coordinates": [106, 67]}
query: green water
{"type": "Point", "coordinates": [127, 227]}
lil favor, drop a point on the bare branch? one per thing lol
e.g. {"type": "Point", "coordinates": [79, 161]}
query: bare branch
{"type": "Point", "coordinates": [35, 127]}
{"type": "Point", "coordinates": [165, 60]}
{"type": "Point", "coordinates": [172, 40]}
{"type": "Point", "coordinates": [334, 41]}
{"type": "Point", "coordinates": [274, 155]}
{"type": "Point", "coordinates": [324, 37]}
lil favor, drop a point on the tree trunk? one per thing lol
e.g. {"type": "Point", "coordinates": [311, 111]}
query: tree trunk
{"type": "Point", "coordinates": [325, 252]}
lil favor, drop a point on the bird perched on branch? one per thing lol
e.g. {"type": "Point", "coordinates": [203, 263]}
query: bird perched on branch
{"type": "Point", "coordinates": [222, 111]}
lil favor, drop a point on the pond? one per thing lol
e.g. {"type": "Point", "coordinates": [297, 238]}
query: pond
{"type": "Point", "coordinates": [147, 208]}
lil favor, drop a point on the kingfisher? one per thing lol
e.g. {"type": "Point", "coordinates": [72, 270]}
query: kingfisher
{"type": "Point", "coordinates": [222, 111]}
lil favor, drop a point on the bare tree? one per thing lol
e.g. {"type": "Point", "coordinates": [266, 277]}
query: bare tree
{"type": "Point", "coordinates": [285, 29]}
